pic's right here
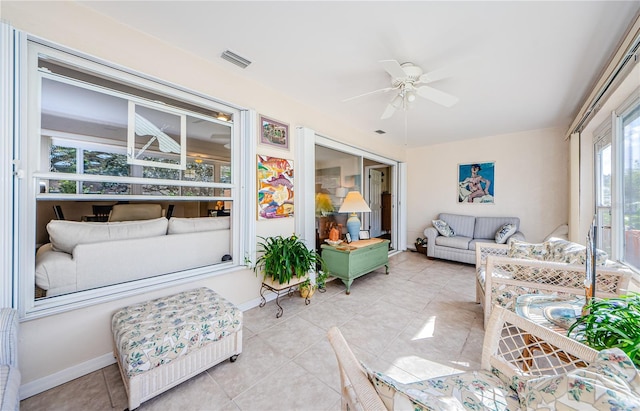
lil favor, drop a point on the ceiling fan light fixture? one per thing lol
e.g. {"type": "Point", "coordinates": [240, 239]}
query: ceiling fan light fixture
{"type": "Point", "coordinates": [411, 96]}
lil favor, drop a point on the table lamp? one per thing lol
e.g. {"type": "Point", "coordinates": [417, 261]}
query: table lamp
{"type": "Point", "coordinates": [354, 203]}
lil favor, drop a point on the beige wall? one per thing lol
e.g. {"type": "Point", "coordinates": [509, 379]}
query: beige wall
{"type": "Point", "coordinates": [57, 344]}
{"type": "Point", "coordinates": [531, 181]}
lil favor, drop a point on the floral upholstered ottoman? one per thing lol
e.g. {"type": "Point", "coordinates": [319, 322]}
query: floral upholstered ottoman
{"type": "Point", "coordinates": [160, 343]}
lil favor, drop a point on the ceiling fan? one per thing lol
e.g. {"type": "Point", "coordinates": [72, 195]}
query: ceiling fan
{"type": "Point", "coordinates": [409, 80]}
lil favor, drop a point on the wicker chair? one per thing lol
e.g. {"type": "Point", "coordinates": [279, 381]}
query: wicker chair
{"type": "Point", "coordinates": [513, 347]}
{"type": "Point", "coordinates": [508, 278]}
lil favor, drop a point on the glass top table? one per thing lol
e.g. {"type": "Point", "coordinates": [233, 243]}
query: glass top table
{"type": "Point", "coordinates": [551, 311]}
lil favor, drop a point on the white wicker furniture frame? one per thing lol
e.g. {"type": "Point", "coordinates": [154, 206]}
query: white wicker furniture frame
{"type": "Point", "coordinates": [142, 387]}
{"type": "Point", "coordinates": [504, 349]}
{"type": "Point", "coordinates": [535, 277]}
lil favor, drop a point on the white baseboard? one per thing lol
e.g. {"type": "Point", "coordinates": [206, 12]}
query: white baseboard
{"type": "Point", "coordinates": [256, 302]}
{"type": "Point", "coordinates": [46, 383]}
{"type": "Point", "coordinates": [50, 381]}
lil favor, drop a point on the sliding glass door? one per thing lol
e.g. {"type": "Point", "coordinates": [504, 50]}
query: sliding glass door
{"type": "Point", "coordinates": [339, 170]}
{"type": "Point", "coordinates": [631, 185]}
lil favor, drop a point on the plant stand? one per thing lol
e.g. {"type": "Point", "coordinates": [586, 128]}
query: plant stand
{"type": "Point", "coordinates": [280, 289]}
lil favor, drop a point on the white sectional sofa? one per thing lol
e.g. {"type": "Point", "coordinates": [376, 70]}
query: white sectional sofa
{"type": "Point", "coordinates": [469, 231]}
{"type": "Point", "coordinates": [82, 255]}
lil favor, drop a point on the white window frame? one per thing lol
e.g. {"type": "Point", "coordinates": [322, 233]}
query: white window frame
{"type": "Point", "coordinates": [27, 149]}
{"type": "Point", "coordinates": [615, 128]}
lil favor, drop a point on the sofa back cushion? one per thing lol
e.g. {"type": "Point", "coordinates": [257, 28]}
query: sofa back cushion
{"type": "Point", "coordinates": [486, 227]}
{"type": "Point", "coordinates": [563, 251]}
{"type": "Point", "coordinates": [462, 225]}
{"type": "Point", "coordinates": [65, 235]}
{"type": "Point", "coordinates": [195, 225]}
{"type": "Point", "coordinates": [528, 251]}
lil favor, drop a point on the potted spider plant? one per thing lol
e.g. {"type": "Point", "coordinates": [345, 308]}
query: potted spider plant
{"type": "Point", "coordinates": [611, 322]}
{"type": "Point", "coordinates": [283, 258]}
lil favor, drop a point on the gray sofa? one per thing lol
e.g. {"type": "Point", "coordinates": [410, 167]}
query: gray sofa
{"type": "Point", "coordinates": [469, 230]}
{"type": "Point", "coordinates": [9, 373]}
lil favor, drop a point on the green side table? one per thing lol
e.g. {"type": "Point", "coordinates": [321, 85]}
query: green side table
{"type": "Point", "coordinates": [350, 261]}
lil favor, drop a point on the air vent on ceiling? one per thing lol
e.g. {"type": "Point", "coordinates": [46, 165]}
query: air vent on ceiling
{"type": "Point", "coordinates": [232, 57]}
{"type": "Point", "coordinates": [381, 132]}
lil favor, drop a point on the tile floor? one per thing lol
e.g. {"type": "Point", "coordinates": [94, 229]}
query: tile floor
{"type": "Point", "coordinates": [418, 322]}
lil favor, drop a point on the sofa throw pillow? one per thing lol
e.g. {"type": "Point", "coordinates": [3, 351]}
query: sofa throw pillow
{"type": "Point", "coordinates": [610, 382]}
{"type": "Point", "coordinates": [443, 228]}
{"type": "Point", "coordinates": [504, 232]}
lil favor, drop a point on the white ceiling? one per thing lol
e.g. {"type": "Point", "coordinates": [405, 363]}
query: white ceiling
{"type": "Point", "coordinates": [517, 65]}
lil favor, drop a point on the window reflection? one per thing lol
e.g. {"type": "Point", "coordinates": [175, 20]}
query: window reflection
{"type": "Point", "coordinates": [108, 147]}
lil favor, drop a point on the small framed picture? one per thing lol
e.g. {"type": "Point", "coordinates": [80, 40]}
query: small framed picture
{"type": "Point", "coordinates": [347, 237]}
{"type": "Point", "coordinates": [274, 133]}
{"type": "Point", "coordinates": [364, 234]}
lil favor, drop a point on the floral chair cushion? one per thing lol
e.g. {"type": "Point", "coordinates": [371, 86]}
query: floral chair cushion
{"type": "Point", "coordinates": [563, 251]}
{"type": "Point", "coordinates": [529, 251]}
{"type": "Point", "coordinates": [609, 383]}
{"type": "Point", "coordinates": [474, 390]}
{"type": "Point", "coordinates": [443, 228]}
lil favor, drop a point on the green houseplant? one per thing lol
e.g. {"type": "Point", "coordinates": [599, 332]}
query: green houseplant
{"type": "Point", "coordinates": [611, 322]}
{"type": "Point", "coordinates": [282, 258]}
{"type": "Point", "coordinates": [307, 289]}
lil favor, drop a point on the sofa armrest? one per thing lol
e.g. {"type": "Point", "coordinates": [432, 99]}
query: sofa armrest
{"type": "Point", "coordinates": [9, 337]}
{"type": "Point", "coordinates": [430, 234]}
{"type": "Point", "coordinates": [55, 270]}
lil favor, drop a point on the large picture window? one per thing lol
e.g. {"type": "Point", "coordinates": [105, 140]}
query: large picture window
{"type": "Point", "coordinates": [135, 182]}
{"type": "Point", "coordinates": [617, 183]}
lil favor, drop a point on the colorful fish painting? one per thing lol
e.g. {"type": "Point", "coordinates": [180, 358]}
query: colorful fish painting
{"type": "Point", "coordinates": [275, 187]}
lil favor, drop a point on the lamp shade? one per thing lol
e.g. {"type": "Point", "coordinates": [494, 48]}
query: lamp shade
{"type": "Point", "coordinates": [354, 203]}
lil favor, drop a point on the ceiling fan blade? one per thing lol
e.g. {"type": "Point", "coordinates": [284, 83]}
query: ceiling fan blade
{"type": "Point", "coordinates": [393, 68]}
{"type": "Point", "coordinates": [437, 96]}
{"type": "Point", "coordinates": [435, 75]}
{"type": "Point", "coordinates": [388, 112]}
{"type": "Point", "coordinates": [382, 90]}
